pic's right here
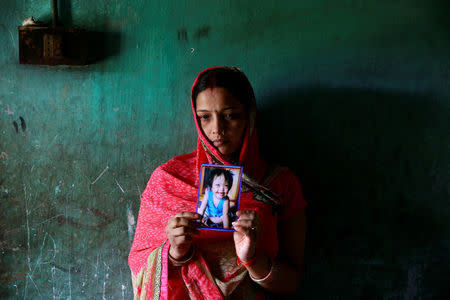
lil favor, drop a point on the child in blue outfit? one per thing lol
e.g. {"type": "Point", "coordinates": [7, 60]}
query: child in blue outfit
{"type": "Point", "coordinates": [215, 203]}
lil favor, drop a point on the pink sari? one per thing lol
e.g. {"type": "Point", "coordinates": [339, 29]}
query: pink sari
{"type": "Point", "coordinates": [213, 272]}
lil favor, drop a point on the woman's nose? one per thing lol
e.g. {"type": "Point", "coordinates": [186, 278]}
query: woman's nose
{"type": "Point", "coordinates": [218, 126]}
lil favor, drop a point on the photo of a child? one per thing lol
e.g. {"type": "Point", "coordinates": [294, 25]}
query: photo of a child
{"type": "Point", "coordinates": [219, 193]}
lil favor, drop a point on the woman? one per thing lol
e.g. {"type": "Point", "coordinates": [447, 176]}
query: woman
{"type": "Point", "coordinates": [169, 258]}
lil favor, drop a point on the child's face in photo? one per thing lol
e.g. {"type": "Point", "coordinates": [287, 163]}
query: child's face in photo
{"type": "Point", "coordinates": [220, 187]}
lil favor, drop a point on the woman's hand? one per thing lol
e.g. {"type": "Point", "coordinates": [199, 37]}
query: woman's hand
{"type": "Point", "coordinates": [247, 233]}
{"type": "Point", "coordinates": [180, 230]}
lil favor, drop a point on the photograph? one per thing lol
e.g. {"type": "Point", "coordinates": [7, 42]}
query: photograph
{"type": "Point", "coordinates": [218, 196]}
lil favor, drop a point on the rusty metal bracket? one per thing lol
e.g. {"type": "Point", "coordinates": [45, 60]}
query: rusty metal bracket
{"type": "Point", "coordinates": [53, 45]}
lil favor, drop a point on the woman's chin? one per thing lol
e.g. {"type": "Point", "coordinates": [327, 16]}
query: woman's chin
{"type": "Point", "coordinates": [227, 154]}
{"type": "Point", "coordinates": [223, 151]}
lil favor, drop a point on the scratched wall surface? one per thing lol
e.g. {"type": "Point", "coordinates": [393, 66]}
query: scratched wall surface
{"type": "Point", "coordinates": [354, 96]}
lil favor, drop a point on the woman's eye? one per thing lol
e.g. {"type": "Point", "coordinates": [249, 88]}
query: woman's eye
{"type": "Point", "coordinates": [235, 115]}
{"type": "Point", "coordinates": [203, 117]}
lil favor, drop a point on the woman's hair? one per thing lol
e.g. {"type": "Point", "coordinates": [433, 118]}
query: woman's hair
{"type": "Point", "coordinates": [232, 79]}
{"type": "Point", "coordinates": [227, 174]}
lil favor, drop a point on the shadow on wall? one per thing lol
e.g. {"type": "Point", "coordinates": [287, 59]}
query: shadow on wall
{"type": "Point", "coordinates": [103, 45]}
{"type": "Point", "coordinates": [65, 12]}
{"type": "Point", "coordinates": [372, 166]}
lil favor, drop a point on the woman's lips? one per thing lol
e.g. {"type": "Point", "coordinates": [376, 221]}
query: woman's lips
{"type": "Point", "coordinates": [219, 143]}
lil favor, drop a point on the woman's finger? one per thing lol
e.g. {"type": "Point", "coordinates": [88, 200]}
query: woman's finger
{"type": "Point", "coordinates": [181, 222]}
{"type": "Point", "coordinates": [177, 222]}
{"type": "Point", "coordinates": [181, 241]}
{"type": "Point", "coordinates": [245, 223]}
{"type": "Point", "coordinates": [247, 214]}
{"type": "Point", "coordinates": [243, 230]}
{"type": "Point", "coordinates": [188, 215]}
{"type": "Point", "coordinates": [247, 230]}
{"type": "Point", "coordinates": [246, 218]}
{"type": "Point", "coordinates": [180, 231]}
{"type": "Point", "coordinates": [183, 218]}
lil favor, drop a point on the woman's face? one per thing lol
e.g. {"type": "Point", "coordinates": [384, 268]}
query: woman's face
{"type": "Point", "coordinates": [220, 187]}
{"type": "Point", "coordinates": [222, 118]}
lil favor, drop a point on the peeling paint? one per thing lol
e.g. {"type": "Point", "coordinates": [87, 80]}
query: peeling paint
{"type": "Point", "coordinates": [4, 155]}
{"type": "Point", "coordinates": [131, 224]}
{"type": "Point", "coordinates": [8, 110]}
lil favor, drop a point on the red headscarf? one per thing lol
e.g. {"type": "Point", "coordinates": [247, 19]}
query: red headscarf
{"type": "Point", "coordinates": [249, 156]}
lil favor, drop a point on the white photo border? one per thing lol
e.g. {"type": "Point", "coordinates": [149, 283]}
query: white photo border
{"type": "Point", "coordinates": [203, 168]}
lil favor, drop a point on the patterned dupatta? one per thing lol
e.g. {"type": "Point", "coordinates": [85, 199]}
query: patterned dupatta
{"type": "Point", "coordinates": [213, 272]}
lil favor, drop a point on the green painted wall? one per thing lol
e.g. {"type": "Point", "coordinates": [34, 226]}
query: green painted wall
{"type": "Point", "coordinates": [354, 96]}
